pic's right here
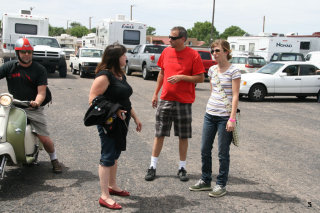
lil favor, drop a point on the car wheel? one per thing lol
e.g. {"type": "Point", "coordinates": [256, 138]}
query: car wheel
{"type": "Point", "coordinates": [82, 74]}
{"type": "Point", "coordinates": [257, 93]}
{"type": "Point", "coordinates": [145, 73]}
{"type": "Point", "coordinates": [318, 97]}
{"type": "Point", "coordinates": [63, 70]}
{"type": "Point", "coordinates": [73, 71]}
{"type": "Point", "coordinates": [128, 71]}
{"type": "Point", "coordinates": [301, 97]}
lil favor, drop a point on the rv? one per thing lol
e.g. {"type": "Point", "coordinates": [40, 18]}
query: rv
{"type": "Point", "coordinates": [266, 44]}
{"type": "Point", "coordinates": [15, 26]}
{"type": "Point", "coordinates": [125, 32]}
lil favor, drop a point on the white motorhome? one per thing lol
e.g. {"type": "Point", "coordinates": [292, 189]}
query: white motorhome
{"type": "Point", "coordinates": [126, 32]}
{"type": "Point", "coordinates": [15, 26]}
{"type": "Point", "coordinates": [266, 44]}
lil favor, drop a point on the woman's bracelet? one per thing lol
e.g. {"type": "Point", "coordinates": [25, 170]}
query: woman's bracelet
{"type": "Point", "coordinates": [232, 120]}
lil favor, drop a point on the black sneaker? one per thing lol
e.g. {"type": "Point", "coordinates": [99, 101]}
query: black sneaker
{"type": "Point", "coordinates": [182, 173]}
{"type": "Point", "coordinates": [151, 174]}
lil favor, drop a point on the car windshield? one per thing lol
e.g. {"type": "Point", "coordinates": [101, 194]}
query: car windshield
{"type": "Point", "coordinates": [91, 53]}
{"type": "Point", "coordinates": [205, 55]}
{"type": "Point", "coordinates": [70, 46]}
{"type": "Point", "coordinates": [52, 42]}
{"type": "Point", "coordinates": [257, 61]}
{"type": "Point", "coordinates": [154, 49]}
{"type": "Point", "coordinates": [270, 68]}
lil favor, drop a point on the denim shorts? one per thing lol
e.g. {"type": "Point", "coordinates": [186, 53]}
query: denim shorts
{"type": "Point", "coordinates": [109, 153]}
{"type": "Point", "coordinates": [173, 111]}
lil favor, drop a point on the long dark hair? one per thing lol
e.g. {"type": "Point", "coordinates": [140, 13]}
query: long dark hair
{"type": "Point", "coordinates": [110, 59]}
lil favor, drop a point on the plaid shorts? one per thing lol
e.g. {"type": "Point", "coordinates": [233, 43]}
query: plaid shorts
{"type": "Point", "coordinates": [172, 111]}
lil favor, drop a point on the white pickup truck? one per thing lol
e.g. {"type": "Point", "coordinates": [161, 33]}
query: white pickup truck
{"type": "Point", "coordinates": [85, 61]}
{"type": "Point", "coordinates": [144, 58]}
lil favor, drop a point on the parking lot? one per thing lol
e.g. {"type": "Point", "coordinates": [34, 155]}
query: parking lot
{"type": "Point", "coordinates": [275, 169]}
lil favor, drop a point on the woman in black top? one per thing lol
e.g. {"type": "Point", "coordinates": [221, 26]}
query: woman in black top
{"type": "Point", "coordinates": [111, 82]}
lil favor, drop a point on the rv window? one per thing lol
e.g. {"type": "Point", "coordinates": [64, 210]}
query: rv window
{"type": "Point", "coordinates": [26, 29]}
{"type": "Point", "coordinates": [305, 45]}
{"type": "Point", "coordinates": [131, 37]}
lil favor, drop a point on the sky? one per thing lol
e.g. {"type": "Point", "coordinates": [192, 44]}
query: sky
{"type": "Point", "coordinates": [281, 16]}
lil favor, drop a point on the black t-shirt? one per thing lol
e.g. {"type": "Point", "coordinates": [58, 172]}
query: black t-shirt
{"type": "Point", "coordinates": [119, 91]}
{"type": "Point", "coordinates": [23, 81]}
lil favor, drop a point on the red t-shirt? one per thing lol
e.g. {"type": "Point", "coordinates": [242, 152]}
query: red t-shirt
{"type": "Point", "coordinates": [184, 62]}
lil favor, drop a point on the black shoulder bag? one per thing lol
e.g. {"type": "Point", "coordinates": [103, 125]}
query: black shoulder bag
{"type": "Point", "coordinates": [48, 98]}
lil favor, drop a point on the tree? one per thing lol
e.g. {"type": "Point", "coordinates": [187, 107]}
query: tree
{"type": "Point", "coordinates": [56, 31]}
{"type": "Point", "coordinates": [151, 31]}
{"type": "Point", "coordinates": [202, 31]}
{"type": "Point", "coordinates": [232, 31]}
{"type": "Point", "coordinates": [93, 30]}
{"type": "Point", "coordinates": [75, 24]}
{"type": "Point", "coordinates": [79, 31]}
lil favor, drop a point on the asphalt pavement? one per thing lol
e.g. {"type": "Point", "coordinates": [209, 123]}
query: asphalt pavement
{"type": "Point", "coordinates": [275, 169]}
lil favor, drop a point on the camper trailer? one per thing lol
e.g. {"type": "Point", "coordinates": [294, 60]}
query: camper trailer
{"type": "Point", "coordinates": [15, 26]}
{"type": "Point", "coordinates": [266, 44]}
{"type": "Point", "coordinates": [125, 32]}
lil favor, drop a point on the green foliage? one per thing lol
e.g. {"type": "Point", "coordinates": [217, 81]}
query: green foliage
{"type": "Point", "coordinates": [75, 24]}
{"type": "Point", "coordinates": [151, 31]}
{"type": "Point", "coordinates": [79, 31]}
{"type": "Point", "coordinates": [93, 30]}
{"type": "Point", "coordinates": [56, 31]}
{"type": "Point", "coordinates": [202, 31]}
{"type": "Point", "coordinates": [232, 31]}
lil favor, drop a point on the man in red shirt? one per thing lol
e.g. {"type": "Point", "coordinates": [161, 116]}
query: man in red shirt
{"type": "Point", "coordinates": [181, 68]}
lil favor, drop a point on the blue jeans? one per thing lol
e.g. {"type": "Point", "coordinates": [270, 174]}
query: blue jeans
{"type": "Point", "coordinates": [109, 152]}
{"type": "Point", "coordinates": [212, 125]}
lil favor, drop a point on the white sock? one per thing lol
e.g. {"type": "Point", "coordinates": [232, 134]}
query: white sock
{"type": "Point", "coordinates": [182, 164]}
{"type": "Point", "coordinates": [154, 161]}
{"type": "Point", "coordinates": [53, 156]}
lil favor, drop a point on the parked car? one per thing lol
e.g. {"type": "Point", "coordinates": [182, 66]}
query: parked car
{"type": "Point", "coordinates": [295, 78]}
{"type": "Point", "coordinates": [287, 57]}
{"type": "Point", "coordinates": [144, 58]}
{"type": "Point", "coordinates": [247, 63]}
{"type": "Point", "coordinates": [313, 57]}
{"type": "Point", "coordinates": [85, 61]}
{"type": "Point", "coordinates": [206, 57]}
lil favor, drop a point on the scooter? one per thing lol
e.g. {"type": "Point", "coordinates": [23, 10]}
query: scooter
{"type": "Point", "coordinates": [18, 144]}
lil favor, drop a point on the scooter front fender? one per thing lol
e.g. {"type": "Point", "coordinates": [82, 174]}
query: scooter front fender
{"type": "Point", "coordinates": [7, 149]}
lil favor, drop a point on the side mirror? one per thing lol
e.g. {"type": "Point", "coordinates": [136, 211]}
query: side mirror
{"type": "Point", "coordinates": [130, 51]}
{"type": "Point", "coordinates": [283, 74]}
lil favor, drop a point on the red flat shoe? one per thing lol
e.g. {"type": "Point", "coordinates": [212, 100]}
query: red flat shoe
{"type": "Point", "coordinates": [114, 206]}
{"type": "Point", "coordinates": [123, 193]}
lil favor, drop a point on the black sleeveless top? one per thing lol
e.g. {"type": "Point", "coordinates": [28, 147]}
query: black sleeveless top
{"type": "Point", "coordinates": [118, 91]}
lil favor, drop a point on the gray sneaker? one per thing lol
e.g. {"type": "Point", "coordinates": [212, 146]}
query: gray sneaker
{"type": "Point", "coordinates": [218, 191]}
{"type": "Point", "coordinates": [151, 174]}
{"type": "Point", "coordinates": [200, 186]}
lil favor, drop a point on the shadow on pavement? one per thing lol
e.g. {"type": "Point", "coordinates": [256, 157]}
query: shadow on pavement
{"type": "Point", "coordinates": [168, 203]}
{"type": "Point", "coordinates": [266, 196]}
{"type": "Point", "coordinates": [20, 182]}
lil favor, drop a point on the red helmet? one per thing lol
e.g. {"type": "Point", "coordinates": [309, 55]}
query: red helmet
{"type": "Point", "coordinates": [23, 44]}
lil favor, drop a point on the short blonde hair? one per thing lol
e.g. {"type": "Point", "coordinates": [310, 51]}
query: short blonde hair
{"type": "Point", "coordinates": [225, 46]}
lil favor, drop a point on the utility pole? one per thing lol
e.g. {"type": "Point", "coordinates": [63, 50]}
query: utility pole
{"type": "Point", "coordinates": [131, 11]}
{"type": "Point", "coordinates": [68, 24]}
{"type": "Point", "coordinates": [264, 21]}
{"type": "Point", "coordinates": [213, 8]}
{"type": "Point", "coordinates": [90, 22]}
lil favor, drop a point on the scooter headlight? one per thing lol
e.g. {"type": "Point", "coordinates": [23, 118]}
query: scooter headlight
{"type": "Point", "coordinates": [6, 100]}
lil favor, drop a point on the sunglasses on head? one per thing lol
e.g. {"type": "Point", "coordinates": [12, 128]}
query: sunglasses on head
{"type": "Point", "coordinates": [216, 50]}
{"type": "Point", "coordinates": [174, 38]}
{"type": "Point", "coordinates": [26, 51]}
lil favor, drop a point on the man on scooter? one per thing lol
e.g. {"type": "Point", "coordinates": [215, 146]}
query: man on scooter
{"type": "Point", "coordinates": [27, 80]}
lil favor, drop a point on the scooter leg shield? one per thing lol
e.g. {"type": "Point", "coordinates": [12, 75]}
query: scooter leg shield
{"type": "Point", "coordinates": [16, 132]}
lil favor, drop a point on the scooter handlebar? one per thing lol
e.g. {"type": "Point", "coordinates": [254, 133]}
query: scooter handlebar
{"type": "Point", "coordinates": [21, 104]}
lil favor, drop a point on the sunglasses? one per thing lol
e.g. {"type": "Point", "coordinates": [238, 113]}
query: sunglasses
{"type": "Point", "coordinates": [174, 38]}
{"type": "Point", "coordinates": [216, 50]}
{"type": "Point", "coordinates": [26, 51]}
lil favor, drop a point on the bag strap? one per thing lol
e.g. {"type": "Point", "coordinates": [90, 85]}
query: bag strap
{"type": "Point", "coordinates": [221, 90]}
